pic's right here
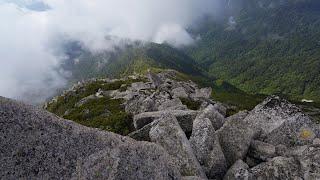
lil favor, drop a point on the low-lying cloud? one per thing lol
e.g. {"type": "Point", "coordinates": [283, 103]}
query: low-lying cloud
{"type": "Point", "coordinates": [32, 30]}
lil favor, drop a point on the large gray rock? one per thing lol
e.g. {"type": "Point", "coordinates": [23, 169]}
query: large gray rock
{"type": "Point", "coordinates": [171, 137]}
{"type": "Point", "coordinates": [216, 118]}
{"type": "Point", "coordinates": [184, 117]}
{"type": "Point", "coordinates": [235, 138]}
{"type": "Point", "coordinates": [277, 168]}
{"type": "Point", "coordinates": [271, 114]}
{"type": "Point", "coordinates": [301, 162]}
{"type": "Point", "coordinates": [296, 131]}
{"type": "Point", "coordinates": [281, 122]}
{"type": "Point", "coordinates": [207, 149]}
{"type": "Point", "coordinates": [143, 133]}
{"type": "Point", "coordinates": [202, 138]}
{"type": "Point", "coordinates": [238, 171]}
{"type": "Point", "coordinates": [36, 144]}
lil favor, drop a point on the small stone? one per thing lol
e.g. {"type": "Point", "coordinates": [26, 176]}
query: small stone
{"type": "Point", "coordinates": [203, 93]}
{"type": "Point", "coordinates": [85, 100]}
{"type": "Point", "coordinates": [192, 178]}
{"type": "Point", "coordinates": [261, 150]}
{"type": "Point", "coordinates": [140, 86]}
{"type": "Point", "coordinates": [281, 150]}
{"type": "Point", "coordinates": [221, 108]}
{"type": "Point", "coordinates": [316, 141]}
{"type": "Point", "coordinates": [179, 92]}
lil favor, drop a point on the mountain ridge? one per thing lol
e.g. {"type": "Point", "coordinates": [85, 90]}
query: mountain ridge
{"type": "Point", "coordinates": [170, 139]}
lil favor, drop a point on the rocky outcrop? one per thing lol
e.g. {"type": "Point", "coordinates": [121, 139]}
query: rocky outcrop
{"type": "Point", "coordinates": [281, 122]}
{"type": "Point", "coordinates": [275, 140]}
{"type": "Point", "coordinates": [274, 121]}
{"type": "Point", "coordinates": [38, 145]}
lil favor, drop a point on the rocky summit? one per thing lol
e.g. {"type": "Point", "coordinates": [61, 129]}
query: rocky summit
{"type": "Point", "coordinates": [174, 130]}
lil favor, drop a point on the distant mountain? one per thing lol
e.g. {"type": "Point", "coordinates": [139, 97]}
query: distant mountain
{"type": "Point", "coordinates": [266, 46]}
{"type": "Point", "coordinates": [136, 58]}
{"type": "Point", "coordinates": [255, 47]}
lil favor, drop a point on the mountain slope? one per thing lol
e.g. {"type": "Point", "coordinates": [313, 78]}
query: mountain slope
{"type": "Point", "coordinates": [264, 47]}
{"type": "Point", "coordinates": [137, 58]}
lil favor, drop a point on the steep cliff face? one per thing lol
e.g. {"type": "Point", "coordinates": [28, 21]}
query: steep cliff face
{"type": "Point", "coordinates": [174, 131]}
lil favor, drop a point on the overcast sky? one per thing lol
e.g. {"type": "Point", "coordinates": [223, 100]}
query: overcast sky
{"type": "Point", "coordinates": [31, 31]}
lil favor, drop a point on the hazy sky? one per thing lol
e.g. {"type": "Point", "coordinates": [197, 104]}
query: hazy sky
{"type": "Point", "coordinates": [32, 30]}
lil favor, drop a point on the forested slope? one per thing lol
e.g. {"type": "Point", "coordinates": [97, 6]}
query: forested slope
{"type": "Point", "coordinates": [264, 47]}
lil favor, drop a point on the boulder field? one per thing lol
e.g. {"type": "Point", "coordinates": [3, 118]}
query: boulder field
{"type": "Point", "coordinates": [275, 140]}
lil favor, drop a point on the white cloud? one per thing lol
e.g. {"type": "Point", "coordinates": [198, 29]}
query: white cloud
{"type": "Point", "coordinates": [173, 34]}
{"type": "Point", "coordinates": [146, 20]}
{"type": "Point", "coordinates": [29, 37]}
{"type": "Point", "coordinates": [26, 62]}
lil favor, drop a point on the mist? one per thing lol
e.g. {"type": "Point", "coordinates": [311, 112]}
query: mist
{"type": "Point", "coordinates": [33, 31]}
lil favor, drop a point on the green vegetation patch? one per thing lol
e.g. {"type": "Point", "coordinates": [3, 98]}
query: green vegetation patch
{"type": "Point", "coordinates": [68, 101]}
{"type": "Point", "coordinates": [104, 113]}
